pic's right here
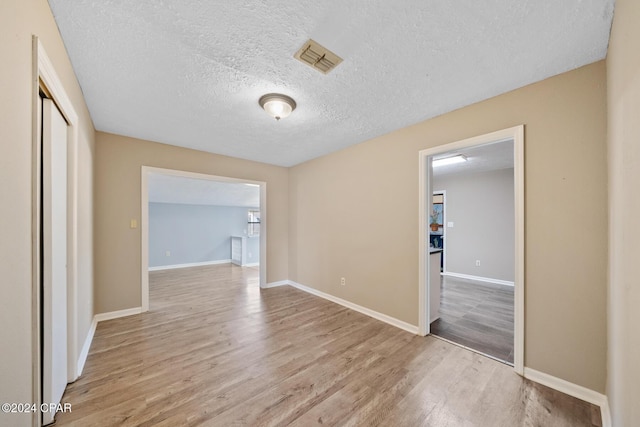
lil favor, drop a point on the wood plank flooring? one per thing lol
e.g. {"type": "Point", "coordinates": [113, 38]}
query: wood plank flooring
{"type": "Point", "coordinates": [477, 315]}
{"type": "Point", "coordinates": [215, 350]}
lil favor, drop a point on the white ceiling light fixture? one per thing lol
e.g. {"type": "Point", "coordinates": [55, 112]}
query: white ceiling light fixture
{"type": "Point", "coordinates": [277, 105]}
{"type": "Point", "coordinates": [459, 158]}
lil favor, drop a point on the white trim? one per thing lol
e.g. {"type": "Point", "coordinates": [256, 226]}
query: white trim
{"type": "Point", "coordinates": [252, 264]}
{"type": "Point", "coordinates": [84, 353]}
{"type": "Point", "coordinates": [144, 222]}
{"type": "Point", "coordinates": [263, 233]}
{"type": "Point", "coordinates": [52, 83]}
{"type": "Point", "coordinates": [478, 278]}
{"type": "Point", "coordinates": [144, 240]}
{"type": "Point", "coordinates": [117, 314]}
{"type": "Point", "coordinates": [515, 134]}
{"type": "Point", "coordinates": [605, 413]}
{"type": "Point", "coordinates": [574, 390]}
{"type": "Point", "coordinates": [87, 345]}
{"type": "Point", "coordinates": [364, 310]}
{"type": "Point", "coordinates": [519, 285]}
{"type": "Point", "coordinates": [190, 264]}
{"type": "Point", "coordinates": [275, 284]}
{"type": "Point", "coordinates": [425, 173]}
{"type": "Point", "coordinates": [36, 238]}
{"type": "Point", "coordinates": [44, 74]}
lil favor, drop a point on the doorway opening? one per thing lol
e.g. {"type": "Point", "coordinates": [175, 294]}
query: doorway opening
{"type": "Point", "coordinates": [474, 297]}
{"type": "Point", "coordinates": [197, 220]}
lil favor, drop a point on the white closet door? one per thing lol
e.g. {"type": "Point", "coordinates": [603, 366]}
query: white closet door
{"type": "Point", "coordinates": [54, 233]}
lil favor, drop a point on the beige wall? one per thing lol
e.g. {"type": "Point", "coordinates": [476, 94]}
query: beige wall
{"type": "Point", "coordinates": [354, 214]}
{"type": "Point", "coordinates": [623, 78]}
{"type": "Point", "coordinates": [118, 248]}
{"type": "Point", "coordinates": [85, 296]}
{"type": "Point", "coordinates": [19, 20]}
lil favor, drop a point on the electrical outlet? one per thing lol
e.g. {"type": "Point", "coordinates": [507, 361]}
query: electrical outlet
{"type": "Point", "coordinates": [168, 253]}
{"type": "Point", "coordinates": [477, 263]}
{"type": "Point", "coordinates": [343, 281]}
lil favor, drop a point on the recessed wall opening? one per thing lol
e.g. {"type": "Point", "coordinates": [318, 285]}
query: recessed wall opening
{"type": "Point", "coordinates": [192, 220]}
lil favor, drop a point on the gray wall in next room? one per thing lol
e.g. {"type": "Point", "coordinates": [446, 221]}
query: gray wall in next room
{"type": "Point", "coordinates": [481, 207]}
{"type": "Point", "coordinates": [194, 233]}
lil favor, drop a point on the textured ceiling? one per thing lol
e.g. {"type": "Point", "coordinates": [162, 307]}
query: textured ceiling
{"type": "Point", "coordinates": [190, 72]}
{"type": "Point", "coordinates": [175, 189]}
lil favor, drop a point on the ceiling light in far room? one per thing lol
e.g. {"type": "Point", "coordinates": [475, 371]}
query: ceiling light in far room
{"type": "Point", "coordinates": [459, 158]}
{"type": "Point", "coordinates": [277, 105]}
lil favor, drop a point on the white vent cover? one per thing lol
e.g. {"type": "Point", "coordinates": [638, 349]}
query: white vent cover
{"type": "Point", "coordinates": [317, 57]}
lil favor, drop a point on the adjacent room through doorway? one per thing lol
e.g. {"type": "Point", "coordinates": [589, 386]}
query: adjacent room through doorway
{"type": "Point", "coordinates": [194, 221]}
{"type": "Point", "coordinates": [472, 229]}
{"type": "Point", "coordinates": [476, 298]}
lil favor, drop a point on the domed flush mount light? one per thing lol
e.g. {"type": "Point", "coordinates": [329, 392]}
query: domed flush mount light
{"type": "Point", "coordinates": [277, 105]}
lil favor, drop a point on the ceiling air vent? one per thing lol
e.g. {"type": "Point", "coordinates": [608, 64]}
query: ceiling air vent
{"type": "Point", "coordinates": [318, 57]}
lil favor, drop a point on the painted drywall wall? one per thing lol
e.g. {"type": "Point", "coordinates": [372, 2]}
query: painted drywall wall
{"type": "Point", "coordinates": [481, 207]}
{"type": "Point", "coordinates": [623, 79]}
{"type": "Point", "coordinates": [117, 176]}
{"type": "Point", "coordinates": [195, 233]}
{"type": "Point", "coordinates": [19, 20]}
{"type": "Point", "coordinates": [354, 214]}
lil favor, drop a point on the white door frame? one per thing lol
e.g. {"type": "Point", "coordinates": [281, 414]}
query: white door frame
{"type": "Point", "coordinates": [516, 134]}
{"type": "Point", "coordinates": [45, 76]}
{"type": "Point", "coordinates": [144, 226]}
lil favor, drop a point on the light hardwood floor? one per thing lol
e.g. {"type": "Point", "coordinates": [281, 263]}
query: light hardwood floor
{"type": "Point", "coordinates": [477, 315]}
{"type": "Point", "coordinates": [216, 350]}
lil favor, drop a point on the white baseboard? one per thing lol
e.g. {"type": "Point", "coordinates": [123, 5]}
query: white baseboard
{"type": "Point", "coordinates": [82, 359]}
{"type": "Point", "coordinates": [605, 412]}
{"type": "Point", "coordinates": [116, 314]}
{"type": "Point", "coordinates": [478, 278]}
{"type": "Point", "coordinates": [574, 390]}
{"type": "Point", "coordinates": [275, 284]}
{"type": "Point", "coordinates": [87, 345]}
{"type": "Point", "coordinates": [252, 264]}
{"type": "Point", "coordinates": [364, 310]}
{"type": "Point", "coordinates": [190, 264]}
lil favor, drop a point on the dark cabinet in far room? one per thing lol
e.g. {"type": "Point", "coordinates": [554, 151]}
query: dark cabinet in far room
{"type": "Point", "coordinates": [436, 239]}
{"type": "Point", "coordinates": [436, 222]}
